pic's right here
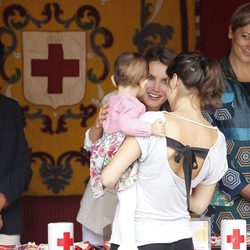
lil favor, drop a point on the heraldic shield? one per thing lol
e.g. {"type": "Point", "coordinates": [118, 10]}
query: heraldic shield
{"type": "Point", "coordinates": [54, 67]}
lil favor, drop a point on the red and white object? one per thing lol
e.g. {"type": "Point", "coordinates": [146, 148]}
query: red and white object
{"type": "Point", "coordinates": [54, 67]}
{"type": "Point", "coordinates": [233, 235]}
{"type": "Point", "coordinates": [61, 236]}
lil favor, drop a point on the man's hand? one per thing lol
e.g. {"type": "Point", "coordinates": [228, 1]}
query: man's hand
{"type": "Point", "coordinates": [3, 201]}
{"type": "Point", "coordinates": [1, 221]}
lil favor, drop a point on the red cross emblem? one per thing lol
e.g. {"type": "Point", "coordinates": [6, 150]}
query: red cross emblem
{"type": "Point", "coordinates": [55, 68]}
{"type": "Point", "coordinates": [236, 238]}
{"type": "Point", "coordinates": [66, 242]}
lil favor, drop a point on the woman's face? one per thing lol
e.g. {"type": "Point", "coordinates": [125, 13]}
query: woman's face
{"type": "Point", "coordinates": [241, 43]}
{"type": "Point", "coordinates": [155, 90]}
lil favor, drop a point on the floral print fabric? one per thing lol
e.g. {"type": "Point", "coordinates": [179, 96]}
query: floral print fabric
{"type": "Point", "coordinates": [102, 153]}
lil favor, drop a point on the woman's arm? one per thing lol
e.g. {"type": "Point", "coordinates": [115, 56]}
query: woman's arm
{"type": "Point", "coordinates": [245, 192]}
{"type": "Point", "coordinates": [125, 156]}
{"type": "Point", "coordinates": [200, 198]}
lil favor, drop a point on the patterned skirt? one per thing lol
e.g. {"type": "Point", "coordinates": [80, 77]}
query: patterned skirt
{"type": "Point", "coordinates": [101, 154]}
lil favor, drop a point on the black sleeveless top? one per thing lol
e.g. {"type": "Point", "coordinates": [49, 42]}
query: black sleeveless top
{"type": "Point", "coordinates": [189, 161]}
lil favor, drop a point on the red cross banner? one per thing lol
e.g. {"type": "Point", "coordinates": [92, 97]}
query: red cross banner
{"type": "Point", "coordinates": [233, 235]}
{"type": "Point", "coordinates": [60, 236]}
{"type": "Point", "coordinates": [57, 60]}
{"type": "Point", "coordinates": [52, 67]}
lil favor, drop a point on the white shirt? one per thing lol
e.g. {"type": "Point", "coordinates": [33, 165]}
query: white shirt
{"type": "Point", "coordinates": [161, 212]}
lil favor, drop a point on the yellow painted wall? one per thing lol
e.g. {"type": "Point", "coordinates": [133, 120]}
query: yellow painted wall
{"type": "Point", "coordinates": [120, 19]}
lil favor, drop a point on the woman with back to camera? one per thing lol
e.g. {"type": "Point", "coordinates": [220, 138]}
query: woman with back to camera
{"type": "Point", "coordinates": [178, 173]}
{"type": "Point", "coordinates": [96, 215]}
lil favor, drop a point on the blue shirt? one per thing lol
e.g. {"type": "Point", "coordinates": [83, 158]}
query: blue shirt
{"type": "Point", "coordinates": [233, 119]}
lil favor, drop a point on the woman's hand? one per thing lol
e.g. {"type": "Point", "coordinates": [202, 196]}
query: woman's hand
{"type": "Point", "coordinates": [102, 116]}
{"type": "Point", "coordinates": [96, 131]}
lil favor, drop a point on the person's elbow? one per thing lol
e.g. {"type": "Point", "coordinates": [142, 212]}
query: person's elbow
{"type": "Point", "coordinates": [106, 180]}
{"type": "Point", "coordinates": [198, 209]}
{"type": "Point", "coordinates": [245, 192]}
{"type": "Point", "coordinates": [197, 206]}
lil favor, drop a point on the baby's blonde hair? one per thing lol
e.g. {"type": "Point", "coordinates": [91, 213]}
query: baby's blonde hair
{"type": "Point", "coordinates": [130, 68]}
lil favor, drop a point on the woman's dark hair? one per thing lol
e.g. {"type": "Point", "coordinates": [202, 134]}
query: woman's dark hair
{"type": "Point", "coordinates": [240, 17]}
{"type": "Point", "coordinates": [161, 54]}
{"type": "Point", "coordinates": [201, 73]}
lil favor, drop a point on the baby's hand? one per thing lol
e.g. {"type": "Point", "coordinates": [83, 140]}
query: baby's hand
{"type": "Point", "coordinates": [158, 128]}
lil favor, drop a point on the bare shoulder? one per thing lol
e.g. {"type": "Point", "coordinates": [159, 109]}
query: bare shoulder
{"type": "Point", "coordinates": [190, 132]}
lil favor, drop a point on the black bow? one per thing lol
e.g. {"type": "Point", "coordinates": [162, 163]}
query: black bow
{"type": "Point", "coordinates": [189, 162]}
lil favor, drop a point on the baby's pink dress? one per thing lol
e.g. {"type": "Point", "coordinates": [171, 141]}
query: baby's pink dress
{"type": "Point", "coordinates": [123, 119]}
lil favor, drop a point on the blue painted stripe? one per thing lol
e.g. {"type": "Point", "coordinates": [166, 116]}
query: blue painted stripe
{"type": "Point", "coordinates": [227, 97]}
{"type": "Point", "coordinates": [237, 134]}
